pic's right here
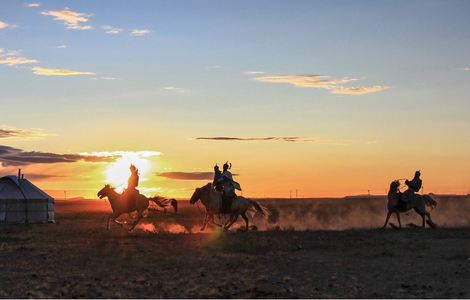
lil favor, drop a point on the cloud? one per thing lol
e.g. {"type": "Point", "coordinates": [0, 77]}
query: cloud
{"type": "Point", "coordinates": [174, 89]}
{"type": "Point", "coordinates": [306, 81]}
{"type": "Point", "coordinates": [321, 82]}
{"type": "Point", "coordinates": [359, 90]}
{"type": "Point", "coordinates": [147, 153]}
{"type": "Point", "coordinates": [58, 72]}
{"type": "Point", "coordinates": [254, 72]}
{"type": "Point", "coordinates": [140, 32]}
{"type": "Point", "coordinates": [4, 25]}
{"type": "Point", "coordinates": [276, 138]}
{"type": "Point", "coordinates": [16, 60]}
{"type": "Point", "coordinates": [8, 132]}
{"type": "Point", "coordinates": [61, 46]}
{"type": "Point", "coordinates": [187, 175]}
{"type": "Point", "coordinates": [71, 19]}
{"type": "Point", "coordinates": [33, 4]}
{"type": "Point", "coordinates": [10, 156]}
{"type": "Point", "coordinates": [111, 30]}
{"type": "Point", "coordinates": [103, 78]}
{"type": "Point", "coordinates": [466, 69]}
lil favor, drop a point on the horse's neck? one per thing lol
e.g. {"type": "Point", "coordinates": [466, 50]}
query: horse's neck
{"type": "Point", "coordinates": [212, 199]}
{"type": "Point", "coordinates": [113, 196]}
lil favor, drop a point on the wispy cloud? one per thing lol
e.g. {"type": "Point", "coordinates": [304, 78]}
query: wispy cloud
{"type": "Point", "coordinates": [140, 32]}
{"type": "Point", "coordinates": [10, 156]}
{"type": "Point", "coordinates": [61, 46]}
{"type": "Point", "coordinates": [321, 82]}
{"type": "Point", "coordinates": [16, 60]}
{"type": "Point", "coordinates": [11, 132]}
{"type": "Point", "coordinates": [466, 69]}
{"type": "Point", "coordinates": [173, 89]}
{"type": "Point", "coordinates": [33, 4]}
{"type": "Point", "coordinates": [58, 72]}
{"type": "Point", "coordinates": [4, 25]}
{"type": "Point", "coordinates": [254, 72]}
{"type": "Point", "coordinates": [187, 175]}
{"type": "Point", "coordinates": [71, 19]}
{"type": "Point", "coordinates": [111, 30]}
{"type": "Point", "coordinates": [359, 90]}
{"type": "Point", "coordinates": [275, 138]}
{"type": "Point", "coordinates": [306, 81]}
{"type": "Point", "coordinates": [103, 78]}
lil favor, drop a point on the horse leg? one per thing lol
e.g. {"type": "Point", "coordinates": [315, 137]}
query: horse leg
{"type": "Point", "coordinates": [387, 218]}
{"type": "Point", "coordinates": [107, 223]}
{"type": "Point", "coordinates": [139, 216]}
{"type": "Point", "coordinates": [430, 222]}
{"type": "Point", "coordinates": [398, 218]}
{"type": "Point", "coordinates": [246, 220]}
{"type": "Point", "coordinates": [204, 223]}
{"type": "Point", "coordinates": [233, 219]}
{"type": "Point", "coordinates": [213, 221]}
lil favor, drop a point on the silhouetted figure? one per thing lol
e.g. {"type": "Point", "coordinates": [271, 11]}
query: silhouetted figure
{"type": "Point", "coordinates": [131, 191]}
{"type": "Point", "coordinates": [413, 187]}
{"type": "Point", "coordinates": [217, 175]}
{"type": "Point", "coordinates": [228, 189]}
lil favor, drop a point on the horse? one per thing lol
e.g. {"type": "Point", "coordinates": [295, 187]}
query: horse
{"type": "Point", "coordinates": [121, 205]}
{"type": "Point", "coordinates": [212, 200]}
{"type": "Point", "coordinates": [418, 204]}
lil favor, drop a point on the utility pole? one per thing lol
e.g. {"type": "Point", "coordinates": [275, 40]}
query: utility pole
{"type": "Point", "coordinates": [65, 195]}
{"type": "Point", "coordinates": [296, 194]}
{"type": "Point", "coordinates": [368, 192]}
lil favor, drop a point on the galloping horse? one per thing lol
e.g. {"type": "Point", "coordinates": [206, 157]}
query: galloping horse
{"type": "Point", "coordinates": [418, 203]}
{"type": "Point", "coordinates": [212, 200]}
{"type": "Point", "coordinates": [121, 205]}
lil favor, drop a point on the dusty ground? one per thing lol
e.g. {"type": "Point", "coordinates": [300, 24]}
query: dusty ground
{"type": "Point", "coordinates": [76, 257]}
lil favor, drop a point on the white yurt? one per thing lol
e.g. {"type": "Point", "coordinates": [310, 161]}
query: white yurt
{"type": "Point", "coordinates": [23, 202]}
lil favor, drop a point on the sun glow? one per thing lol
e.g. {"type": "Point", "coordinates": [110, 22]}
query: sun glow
{"type": "Point", "coordinates": [118, 172]}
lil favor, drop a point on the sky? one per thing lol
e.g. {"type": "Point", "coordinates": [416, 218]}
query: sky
{"type": "Point", "coordinates": [329, 98]}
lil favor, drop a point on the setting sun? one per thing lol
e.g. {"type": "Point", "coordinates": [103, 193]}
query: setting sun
{"type": "Point", "coordinates": [118, 172]}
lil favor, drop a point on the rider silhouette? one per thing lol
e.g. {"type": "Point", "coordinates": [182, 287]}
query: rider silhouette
{"type": "Point", "coordinates": [228, 192]}
{"type": "Point", "coordinates": [413, 187]}
{"type": "Point", "coordinates": [132, 183]}
{"type": "Point", "coordinates": [217, 175]}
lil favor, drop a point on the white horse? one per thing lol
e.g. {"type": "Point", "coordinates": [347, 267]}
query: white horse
{"type": "Point", "coordinates": [419, 204]}
{"type": "Point", "coordinates": [212, 200]}
{"type": "Point", "coordinates": [121, 205]}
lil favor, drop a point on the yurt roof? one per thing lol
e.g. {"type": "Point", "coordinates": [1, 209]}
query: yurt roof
{"type": "Point", "coordinates": [12, 187]}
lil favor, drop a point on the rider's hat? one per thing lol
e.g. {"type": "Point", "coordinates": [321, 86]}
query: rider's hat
{"type": "Point", "coordinates": [227, 165]}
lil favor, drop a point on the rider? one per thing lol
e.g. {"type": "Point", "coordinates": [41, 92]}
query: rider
{"type": "Point", "coordinates": [132, 183]}
{"type": "Point", "coordinates": [228, 192]}
{"type": "Point", "coordinates": [217, 175]}
{"type": "Point", "coordinates": [413, 187]}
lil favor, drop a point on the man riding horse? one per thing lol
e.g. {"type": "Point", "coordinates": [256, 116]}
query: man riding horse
{"type": "Point", "coordinates": [224, 182]}
{"type": "Point", "coordinates": [414, 186]}
{"type": "Point", "coordinates": [131, 192]}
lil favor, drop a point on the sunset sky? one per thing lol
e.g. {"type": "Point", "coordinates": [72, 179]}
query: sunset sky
{"type": "Point", "coordinates": [331, 98]}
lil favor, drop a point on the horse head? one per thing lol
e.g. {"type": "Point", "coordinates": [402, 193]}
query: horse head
{"type": "Point", "coordinates": [198, 192]}
{"type": "Point", "coordinates": [195, 197]}
{"type": "Point", "coordinates": [394, 185]}
{"type": "Point", "coordinates": [104, 192]}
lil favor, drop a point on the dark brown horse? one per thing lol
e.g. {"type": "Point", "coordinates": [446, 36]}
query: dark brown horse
{"type": "Point", "coordinates": [121, 205]}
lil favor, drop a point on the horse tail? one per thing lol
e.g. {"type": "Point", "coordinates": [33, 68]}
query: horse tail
{"type": "Point", "coordinates": [160, 201]}
{"type": "Point", "coordinates": [429, 201]}
{"type": "Point", "coordinates": [260, 208]}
